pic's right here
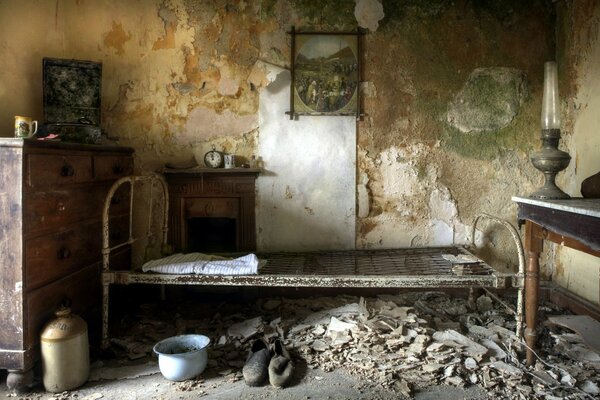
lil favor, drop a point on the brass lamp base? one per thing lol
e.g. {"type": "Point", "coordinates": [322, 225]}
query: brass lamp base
{"type": "Point", "coordinates": [550, 161]}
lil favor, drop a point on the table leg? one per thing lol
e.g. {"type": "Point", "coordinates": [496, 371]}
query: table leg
{"type": "Point", "coordinates": [533, 247]}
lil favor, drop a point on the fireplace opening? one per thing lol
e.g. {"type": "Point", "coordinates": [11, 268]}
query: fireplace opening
{"type": "Point", "coordinates": [211, 235]}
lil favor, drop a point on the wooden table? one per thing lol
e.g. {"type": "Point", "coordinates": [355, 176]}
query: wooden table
{"type": "Point", "coordinates": [574, 223]}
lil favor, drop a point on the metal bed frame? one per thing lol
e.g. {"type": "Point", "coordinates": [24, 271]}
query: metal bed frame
{"type": "Point", "coordinates": [379, 268]}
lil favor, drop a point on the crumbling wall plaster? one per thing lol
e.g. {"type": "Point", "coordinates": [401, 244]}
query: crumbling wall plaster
{"type": "Point", "coordinates": [430, 192]}
{"type": "Point", "coordinates": [579, 63]}
{"type": "Point", "coordinates": [181, 76]}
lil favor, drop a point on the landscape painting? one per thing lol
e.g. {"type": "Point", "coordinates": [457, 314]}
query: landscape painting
{"type": "Point", "coordinates": [326, 70]}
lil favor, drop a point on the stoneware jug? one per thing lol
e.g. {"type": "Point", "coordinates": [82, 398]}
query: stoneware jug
{"type": "Point", "coordinates": [65, 352]}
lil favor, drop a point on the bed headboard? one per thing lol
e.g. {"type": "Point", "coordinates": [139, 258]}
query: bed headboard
{"type": "Point", "coordinates": [155, 183]}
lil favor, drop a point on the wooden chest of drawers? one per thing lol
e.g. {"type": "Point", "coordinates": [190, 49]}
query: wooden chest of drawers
{"type": "Point", "coordinates": [51, 197]}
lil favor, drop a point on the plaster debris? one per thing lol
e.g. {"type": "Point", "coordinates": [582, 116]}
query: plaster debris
{"type": "Point", "coordinates": [393, 341]}
{"type": "Point", "coordinates": [484, 303]}
{"type": "Point", "coordinates": [245, 329]}
{"type": "Point", "coordinates": [590, 387]}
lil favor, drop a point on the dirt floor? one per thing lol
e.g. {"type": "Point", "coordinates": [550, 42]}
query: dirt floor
{"type": "Point", "coordinates": [313, 384]}
{"type": "Point", "coordinates": [343, 347]}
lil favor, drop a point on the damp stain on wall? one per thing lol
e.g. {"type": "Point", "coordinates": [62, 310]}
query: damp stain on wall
{"type": "Point", "coordinates": [116, 38]}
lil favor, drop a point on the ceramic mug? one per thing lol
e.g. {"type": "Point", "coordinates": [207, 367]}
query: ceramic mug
{"type": "Point", "coordinates": [229, 160]}
{"type": "Point", "coordinates": [25, 127]}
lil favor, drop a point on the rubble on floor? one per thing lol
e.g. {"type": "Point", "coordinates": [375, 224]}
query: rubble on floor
{"type": "Point", "coordinates": [404, 342]}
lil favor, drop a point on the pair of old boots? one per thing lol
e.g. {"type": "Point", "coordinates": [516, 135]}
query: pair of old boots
{"type": "Point", "coordinates": [264, 362]}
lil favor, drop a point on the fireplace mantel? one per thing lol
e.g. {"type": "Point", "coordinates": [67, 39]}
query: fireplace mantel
{"type": "Point", "coordinates": [212, 193]}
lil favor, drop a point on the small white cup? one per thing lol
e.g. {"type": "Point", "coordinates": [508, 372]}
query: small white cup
{"type": "Point", "coordinates": [229, 161]}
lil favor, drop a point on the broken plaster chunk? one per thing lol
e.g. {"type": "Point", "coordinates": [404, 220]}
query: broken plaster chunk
{"type": "Point", "coordinates": [545, 378]}
{"type": "Point", "coordinates": [495, 350]}
{"type": "Point", "coordinates": [470, 363]}
{"type": "Point", "coordinates": [473, 378]}
{"type": "Point", "coordinates": [340, 338]}
{"type": "Point", "coordinates": [568, 380]}
{"type": "Point", "coordinates": [434, 367]}
{"type": "Point", "coordinates": [391, 310]}
{"type": "Point", "coordinates": [403, 387]}
{"type": "Point", "coordinates": [419, 345]}
{"type": "Point", "coordinates": [335, 325]}
{"type": "Point", "coordinates": [590, 387]}
{"type": "Point", "coordinates": [245, 329]}
{"type": "Point", "coordinates": [507, 369]}
{"type": "Point", "coordinates": [319, 330]}
{"type": "Point", "coordinates": [484, 303]}
{"type": "Point", "coordinates": [323, 317]}
{"type": "Point", "coordinates": [319, 345]}
{"type": "Point", "coordinates": [452, 338]}
{"type": "Point", "coordinates": [455, 381]}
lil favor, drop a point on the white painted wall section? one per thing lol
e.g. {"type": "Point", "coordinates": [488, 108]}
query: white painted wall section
{"type": "Point", "coordinates": [306, 196]}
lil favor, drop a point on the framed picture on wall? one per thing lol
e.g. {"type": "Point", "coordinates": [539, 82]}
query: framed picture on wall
{"type": "Point", "coordinates": [325, 74]}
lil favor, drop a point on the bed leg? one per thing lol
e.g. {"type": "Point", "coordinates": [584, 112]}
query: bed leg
{"type": "Point", "coordinates": [163, 293]}
{"type": "Point", "coordinates": [105, 292]}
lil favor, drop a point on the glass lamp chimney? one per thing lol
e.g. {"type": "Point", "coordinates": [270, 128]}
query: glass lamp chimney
{"type": "Point", "coordinates": [550, 103]}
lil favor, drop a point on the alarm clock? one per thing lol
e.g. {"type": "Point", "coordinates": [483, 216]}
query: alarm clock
{"type": "Point", "coordinates": [213, 158]}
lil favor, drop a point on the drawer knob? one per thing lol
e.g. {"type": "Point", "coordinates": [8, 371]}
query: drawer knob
{"type": "Point", "coordinates": [67, 170]}
{"type": "Point", "coordinates": [61, 207]}
{"type": "Point", "coordinates": [118, 169]}
{"type": "Point", "coordinates": [64, 253]}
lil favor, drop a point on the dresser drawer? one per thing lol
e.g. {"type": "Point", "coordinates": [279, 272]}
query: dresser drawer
{"type": "Point", "coordinates": [53, 256]}
{"type": "Point", "coordinates": [53, 210]}
{"type": "Point", "coordinates": [83, 289]}
{"type": "Point", "coordinates": [55, 170]}
{"type": "Point", "coordinates": [112, 167]}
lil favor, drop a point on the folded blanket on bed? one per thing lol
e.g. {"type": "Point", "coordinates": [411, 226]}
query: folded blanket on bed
{"type": "Point", "coordinates": [203, 264]}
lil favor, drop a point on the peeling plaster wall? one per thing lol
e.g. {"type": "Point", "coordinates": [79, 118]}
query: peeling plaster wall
{"type": "Point", "coordinates": [426, 179]}
{"type": "Point", "coordinates": [180, 76]}
{"type": "Point", "coordinates": [580, 84]}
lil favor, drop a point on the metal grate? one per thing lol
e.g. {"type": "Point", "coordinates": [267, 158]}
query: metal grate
{"type": "Point", "coordinates": [387, 268]}
{"type": "Point", "coordinates": [380, 262]}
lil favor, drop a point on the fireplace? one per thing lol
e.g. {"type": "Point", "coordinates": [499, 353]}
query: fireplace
{"type": "Point", "coordinates": [212, 210]}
